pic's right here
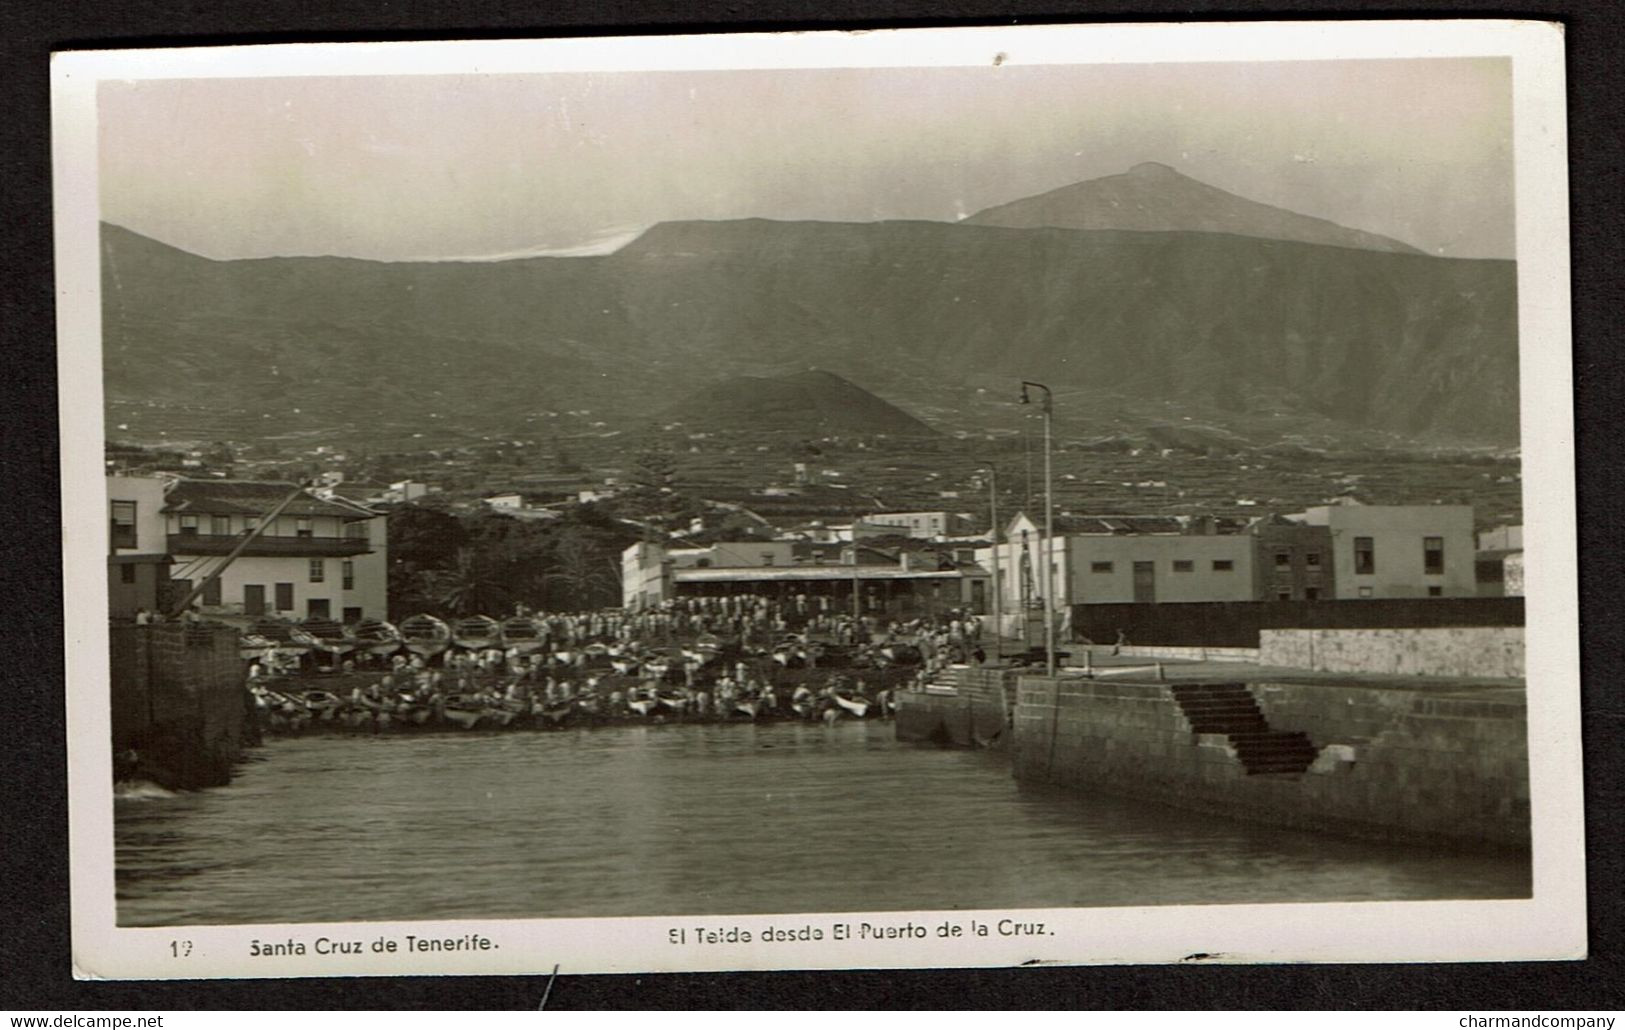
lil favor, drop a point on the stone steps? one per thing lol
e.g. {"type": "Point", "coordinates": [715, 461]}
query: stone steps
{"type": "Point", "coordinates": [1230, 709]}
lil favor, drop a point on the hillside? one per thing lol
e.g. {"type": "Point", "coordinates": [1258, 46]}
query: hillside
{"type": "Point", "coordinates": [811, 403]}
{"type": "Point", "coordinates": [1153, 197]}
{"type": "Point", "coordinates": [1364, 339]}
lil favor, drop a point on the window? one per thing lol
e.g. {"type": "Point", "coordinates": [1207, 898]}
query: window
{"type": "Point", "coordinates": [1100, 566]}
{"type": "Point", "coordinates": [220, 525]}
{"type": "Point", "coordinates": [284, 597]}
{"type": "Point", "coordinates": [318, 570]}
{"type": "Point", "coordinates": [1365, 556]}
{"type": "Point", "coordinates": [318, 608]}
{"type": "Point", "coordinates": [355, 531]}
{"type": "Point", "coordinates": [251, 523]}
{"type": "Point", "coordinates": [126, 573]}
{"type": "Point", "coordinates": [1182, 565]}
{"type": "Point", "coordinates": [123, 525]}
{"type": "Point", "coordinates": [1365, 591]}
{"type": "Point", "coordinates": [1283, 595]}
{"type": "Point", "coordinates": [188, 525]}
{"type": "Point", "coordinates": [1283, 559]}
{"type": "Point", "coordinates": [702, 563]}
{"type": "Point", "coordinates": [1433, 555]}
{"type": "Point", "coordinates": [352, 615]}
{"type": "Point", "coordinates": [1311, 593]}
{"type": "Point", "coordinates": [1312, 559]}
{"type": "Point", "coordinates": [348, 570]}
{"type": "Point", "coordinates": [302, 527]}
{"type": "Point", "coordinates": [1223, 565]}
{"type": "Point", "coordinates": [767, 558]}
{"type": "Point", "coordinates": [1435, 591]}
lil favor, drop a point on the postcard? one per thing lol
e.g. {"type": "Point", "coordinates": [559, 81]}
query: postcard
{"type": "Point", "coordinates": [899, 499]}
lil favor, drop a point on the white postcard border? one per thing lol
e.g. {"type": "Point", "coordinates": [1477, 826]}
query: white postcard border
{"type": "Point", "coordinates": [1550, 925]}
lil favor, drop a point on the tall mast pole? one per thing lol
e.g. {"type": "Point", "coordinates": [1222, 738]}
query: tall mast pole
{"type": "Point", "coordinates": [1047, 548]}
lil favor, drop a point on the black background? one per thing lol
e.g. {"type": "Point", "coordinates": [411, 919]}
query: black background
{"type": "Point", "coordinates": [34, 925]}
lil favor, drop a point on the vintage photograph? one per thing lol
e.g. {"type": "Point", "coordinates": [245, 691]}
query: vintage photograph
{"type": "Point", "coordinates": [822, 500]}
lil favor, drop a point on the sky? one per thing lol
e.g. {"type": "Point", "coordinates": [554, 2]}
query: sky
{"type": "Point", "coordinates": [484, 166]}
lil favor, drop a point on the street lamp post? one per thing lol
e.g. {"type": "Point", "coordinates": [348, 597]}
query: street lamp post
{"type": "Point", "coordinates": [1047, 548]}
{"type": "Point", "coordinates": [993, 534]}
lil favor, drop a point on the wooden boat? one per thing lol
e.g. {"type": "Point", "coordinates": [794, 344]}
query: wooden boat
{"type": "Point", "coordinates": [464, 712]}
{"type": "Point", "coordinates": [324, 705]}
{"type": "Point", "coordinates": [555, 714]}
{"type": "Point", "coordinates": [522, 635]}
{"type": "Point", "coordinates": [476, 632]}
{"type": "Point", "coordinates": [747, 707]}
{"type": "Point", "coordinates": [858, 706]}
{"type": "Point", "coordinates": [425, 635]}
{"type": "Point", "coordinates": [643, 705]}
{"type": "Point", "coordinates": [322, 635]}
{"type": "Point", "coordinates": [672, 702]}
{"type": "Point", "coordinates": [278, 636]}
{"type": "Point", "coordinates": [413, 713]}
{"type": "Point", "coordinates": [375, 636]}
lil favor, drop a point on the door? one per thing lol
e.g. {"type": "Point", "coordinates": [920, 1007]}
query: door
{"type": "Point", "coordinates": [284, 597]}
{"type": "Point", "coordinates": [318, 608]}
{"type": "Point", "coordinates": [253, 598]}
{"type": "Point", "coordinates": [1145, 582]}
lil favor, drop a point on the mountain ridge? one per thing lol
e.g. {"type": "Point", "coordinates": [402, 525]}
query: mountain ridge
{"type": "Point", "coordinates": [1396, 342]}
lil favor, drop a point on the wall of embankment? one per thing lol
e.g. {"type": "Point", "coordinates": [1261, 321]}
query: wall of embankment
{"type": "Point", "coordinates": [1387, 762]}
{"type": "Point", "coordinates": [1494, 652]}
{"type": "Point", "coordinates": [976, 715]}
{"type": "Point", "coordinates": [180, 709]}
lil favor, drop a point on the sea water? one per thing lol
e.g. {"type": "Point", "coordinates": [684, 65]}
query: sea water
{"type": "Point", "coordinates": [690, 819]}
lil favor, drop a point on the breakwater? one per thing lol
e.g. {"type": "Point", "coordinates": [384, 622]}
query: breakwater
{"type": "Point", "coordinates": [181, 716]}
{"type": "Point", "coordinates": [1404, 763]}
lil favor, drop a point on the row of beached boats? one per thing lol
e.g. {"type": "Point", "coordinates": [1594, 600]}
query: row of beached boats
{"type": "Point", "coordinates": [286, 711]}
{"type": "Point", "coordinates": [423, 635]}
{"type": "Point", "coordinates": [427, 636]}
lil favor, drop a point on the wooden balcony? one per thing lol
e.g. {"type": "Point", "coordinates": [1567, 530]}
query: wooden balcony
{"type": "Point", "coordinates": [269, 546]}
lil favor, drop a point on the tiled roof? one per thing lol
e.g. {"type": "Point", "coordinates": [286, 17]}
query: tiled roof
{"type": "Point", "coordinates": [238, 497]}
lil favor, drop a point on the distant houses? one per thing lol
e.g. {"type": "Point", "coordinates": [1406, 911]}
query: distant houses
{"type": "Point", "coordinates": [1332, 552]}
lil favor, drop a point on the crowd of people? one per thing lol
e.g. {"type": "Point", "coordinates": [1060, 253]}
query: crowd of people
{"type": "Point", "coordinates": [697, 657]}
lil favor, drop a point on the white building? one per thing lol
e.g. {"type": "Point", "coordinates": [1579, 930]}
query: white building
{"type": "Point", "coordinates": [321, 558]}
{"type": "Point", "coordinates": [923, 525]}
{"type": "Point", "coordinates": [137, 555]}
{"type": "Point", "coordinates": [1420, 550]}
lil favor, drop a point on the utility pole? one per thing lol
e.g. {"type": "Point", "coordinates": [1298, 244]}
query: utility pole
{"type": "Point", "coordinates": [993, 533]}
{"type": "Point", "coordinates": [1047, 549]}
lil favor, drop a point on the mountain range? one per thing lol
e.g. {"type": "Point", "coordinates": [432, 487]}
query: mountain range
{"type": "Point", "coordinates": [1181, 296]}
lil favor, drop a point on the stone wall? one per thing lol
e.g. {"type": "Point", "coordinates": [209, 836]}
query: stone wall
{"type": "Point", "coordinates": [1400, 764]}
{"type": "Point", "coordinates": [1494, 652]}
{"type": "Point", "coordinates": [180, 709]}
{"type": "Point", "coordinates": [976, 714]}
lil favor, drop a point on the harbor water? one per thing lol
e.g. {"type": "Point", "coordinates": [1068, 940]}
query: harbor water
{"type": "Point", "coordinates": [689, 819]}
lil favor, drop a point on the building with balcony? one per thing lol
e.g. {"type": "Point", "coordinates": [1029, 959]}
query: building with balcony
{"type": "Point", "coordinates": [319, 557]}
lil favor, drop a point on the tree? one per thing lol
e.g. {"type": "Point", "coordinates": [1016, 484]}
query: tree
{"type": "Point", "coordinates": [472, 586]}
